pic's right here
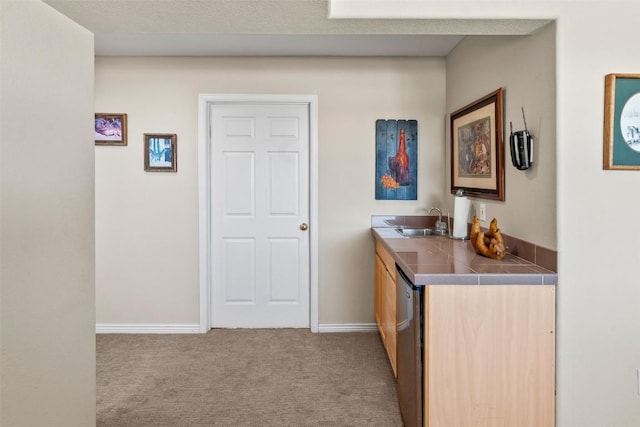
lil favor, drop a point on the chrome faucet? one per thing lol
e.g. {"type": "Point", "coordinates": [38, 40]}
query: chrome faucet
{"type": "Point", "coordinates": [441, 226]}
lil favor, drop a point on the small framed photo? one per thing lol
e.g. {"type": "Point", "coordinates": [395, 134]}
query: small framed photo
{"type": "Point", "coordinates": [621, 149]}
{"type": "Point", "coordinates": [477, 150]}
{"type": "Point", "coordinates": [110, 129]}
{"type": "Point", "coordinates": [160, 152]}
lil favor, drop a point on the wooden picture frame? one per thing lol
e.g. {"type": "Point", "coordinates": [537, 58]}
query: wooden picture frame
{"type": "Point", "coordinates": [160, 152]}
{"type": "Point", "coordinates": [621, 141]}
{"type": "Point", "coordinates": [477, 149]}
{"type": "Point", "coordinates": [110, 129]}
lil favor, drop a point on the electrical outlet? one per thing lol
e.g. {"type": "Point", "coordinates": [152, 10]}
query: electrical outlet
{"type": "Point", "coordinates": [483, 212]}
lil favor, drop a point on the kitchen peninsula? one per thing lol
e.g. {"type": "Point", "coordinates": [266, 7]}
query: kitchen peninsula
{"type": "Point", "coordinates": [487, 329]}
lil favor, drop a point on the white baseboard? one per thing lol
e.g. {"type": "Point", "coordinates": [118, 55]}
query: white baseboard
{"type": "Point", "coordinates": [195, 328]}
{"type": "Point", "coordinates": [347, 327]}
{"type": "Point", "coordinates": [147, 329]}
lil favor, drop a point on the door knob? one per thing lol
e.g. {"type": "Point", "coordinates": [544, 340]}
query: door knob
{"type": "Point", "coordinates": [303, 226]}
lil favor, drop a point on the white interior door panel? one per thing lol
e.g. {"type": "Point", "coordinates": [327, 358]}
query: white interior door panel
{"type": "Point", "coordinates": [260, 198]}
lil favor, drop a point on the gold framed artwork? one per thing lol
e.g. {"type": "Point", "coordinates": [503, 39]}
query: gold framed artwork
{"type": "Point", "coordinates": [621, 149]}
{"type": "Point", "coordinates": [477, 149]}
{"type": "Point", "coordinates": [110, 129]}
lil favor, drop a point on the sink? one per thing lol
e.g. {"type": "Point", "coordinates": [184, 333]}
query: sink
{"type": "Point", "coordinates": [415, 231]}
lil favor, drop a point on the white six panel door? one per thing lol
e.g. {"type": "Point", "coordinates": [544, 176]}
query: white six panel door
{"type": "Point", "coordinates": [260, 204]}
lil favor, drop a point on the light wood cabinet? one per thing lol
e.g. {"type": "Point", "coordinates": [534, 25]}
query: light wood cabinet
{"type": "Point", "coordinates": [489, 355]}
{"type": "Point", "coordinates": [385, 302]}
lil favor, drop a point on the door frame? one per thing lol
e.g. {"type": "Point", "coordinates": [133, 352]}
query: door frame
{"type": "Point", "coordinates": [205, 102]}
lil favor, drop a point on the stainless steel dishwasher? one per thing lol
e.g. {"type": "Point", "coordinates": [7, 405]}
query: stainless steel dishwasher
{"type": "Point", "coordinates": [409, 351]}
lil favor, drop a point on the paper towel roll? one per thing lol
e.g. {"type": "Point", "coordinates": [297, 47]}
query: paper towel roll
{"type": "Point", "coordinates": [460, 217]}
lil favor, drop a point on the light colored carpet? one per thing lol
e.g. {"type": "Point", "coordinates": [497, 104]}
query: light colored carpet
{"type": "Point", "coordinates": [245, 377]}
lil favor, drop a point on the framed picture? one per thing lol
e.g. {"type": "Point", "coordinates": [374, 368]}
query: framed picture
{"type": "Point", "coordinates": [160, 152]}
{"type": "Point", "coordinates": [621, 122]}
{"type": "Point", "coordinates": [477, 150]}
{"type": "Point", "coordinates": [110, 129]}
{"type": "Point", "coordinates": [396, 159]}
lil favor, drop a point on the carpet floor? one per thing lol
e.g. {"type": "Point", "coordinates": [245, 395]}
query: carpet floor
{"type": "Point", "coordinates": [245, 377]}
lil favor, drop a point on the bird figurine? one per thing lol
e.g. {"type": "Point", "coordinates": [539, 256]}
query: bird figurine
{"type": "Point", "coordinates": [489, 243]}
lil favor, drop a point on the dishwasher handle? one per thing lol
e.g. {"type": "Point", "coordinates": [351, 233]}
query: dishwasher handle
{"type": "Point", "coordinates": [401, 276]}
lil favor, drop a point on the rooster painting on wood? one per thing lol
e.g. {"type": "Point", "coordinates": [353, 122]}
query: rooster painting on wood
{"type": "Point", "coordinates": [396, 159]}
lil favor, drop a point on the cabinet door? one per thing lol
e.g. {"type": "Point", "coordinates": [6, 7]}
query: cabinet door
{"type": "Point", "coordinates": [491, 355]}
{"type": "Point", "coordinates": [389, 323]}
{"type": "Point", "coordinates": [380, 277]}
{"type": "Point", "coordinates": [385, 303]}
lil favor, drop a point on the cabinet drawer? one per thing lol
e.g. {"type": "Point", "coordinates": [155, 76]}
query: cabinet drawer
{"type": "Point", "coordinates": [387, 260]}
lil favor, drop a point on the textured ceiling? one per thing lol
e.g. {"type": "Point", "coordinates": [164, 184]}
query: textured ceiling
{"type": "Point", "coordinates": [265, 27]}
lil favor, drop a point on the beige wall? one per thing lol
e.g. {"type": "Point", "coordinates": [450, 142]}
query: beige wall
{"type": "Point", "coordinates": [599, 319]}
{"type": "Point", "coordinates": [146, 224]}
{"type": "Point", "coordinates": [524, 67]}
{"type": "Point", "coordinates": [47, 308]}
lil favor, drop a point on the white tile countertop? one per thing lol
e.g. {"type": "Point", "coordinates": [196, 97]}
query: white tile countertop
{"type": "Point", "coordinates": [439, 260]}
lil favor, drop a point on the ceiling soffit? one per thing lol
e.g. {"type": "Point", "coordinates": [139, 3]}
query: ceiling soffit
{"type": "Point", "coordinates": [142, 27]}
